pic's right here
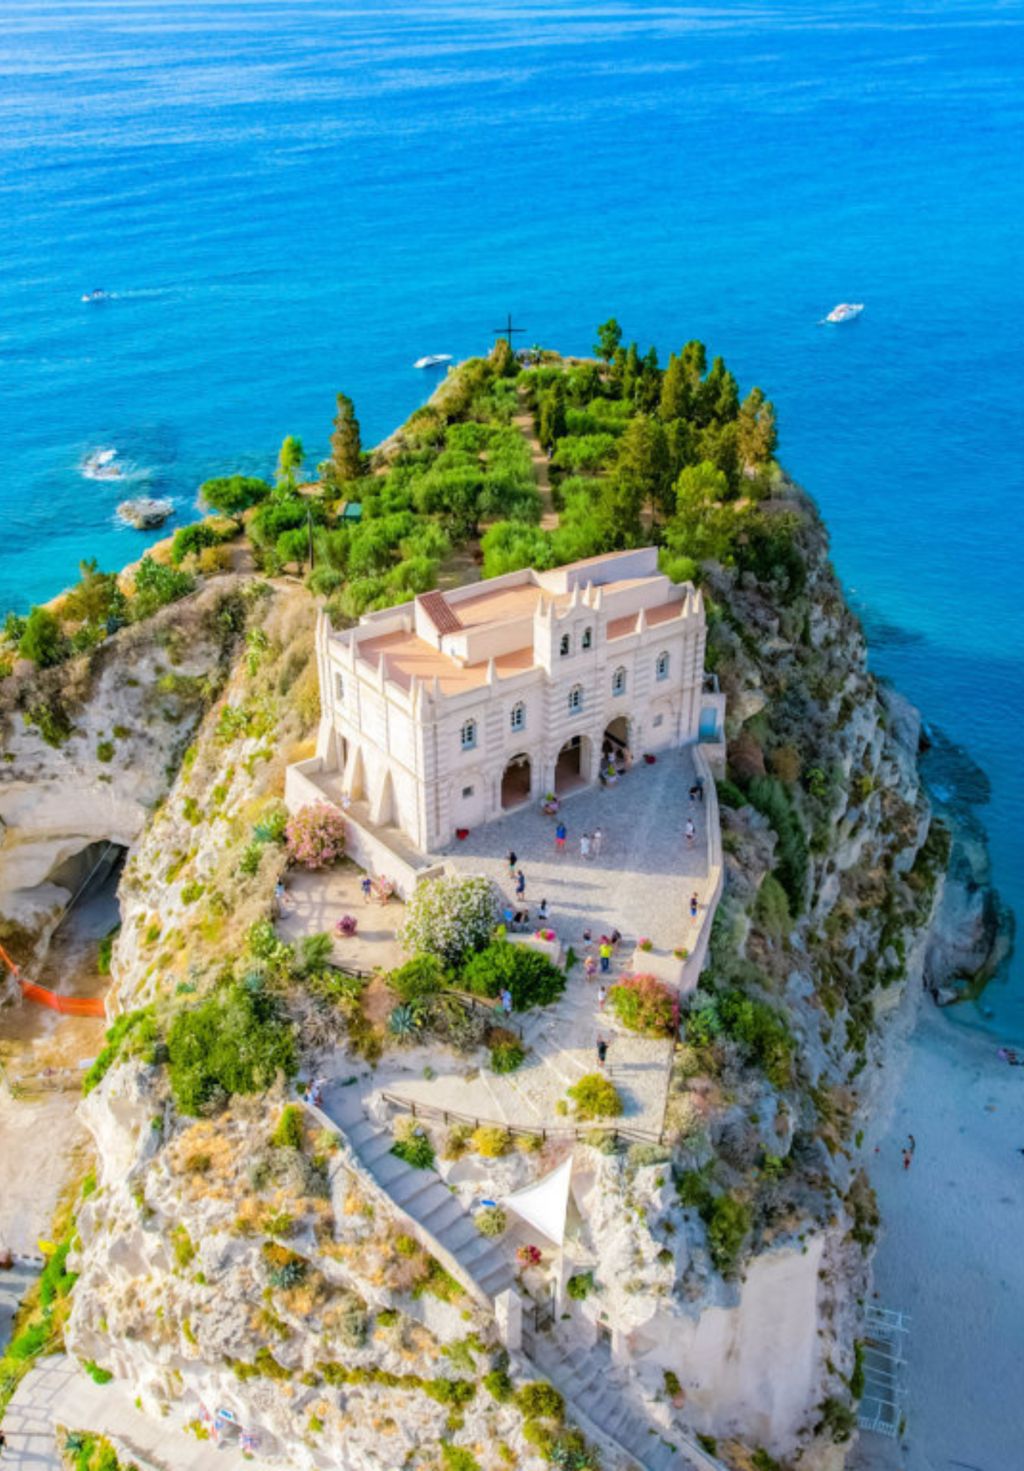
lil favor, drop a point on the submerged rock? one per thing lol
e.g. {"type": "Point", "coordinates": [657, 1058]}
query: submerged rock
{"type": "Point", "coordinates": [145, 512]}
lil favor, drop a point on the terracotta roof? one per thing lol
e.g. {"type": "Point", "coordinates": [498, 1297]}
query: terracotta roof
{"type": "Point", "coordinates": [440, 612]}
{"type": "Point", "coordinates": [406, 655]}
{"type": "Point", "coordinates": [661, 613]}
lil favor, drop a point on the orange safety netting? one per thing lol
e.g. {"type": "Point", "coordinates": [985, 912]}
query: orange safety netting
{"type": "Point", "coordinates": [69, 1005]}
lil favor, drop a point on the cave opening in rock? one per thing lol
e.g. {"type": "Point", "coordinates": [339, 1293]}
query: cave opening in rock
{"type": "Point", "coordinates": [91, 877]}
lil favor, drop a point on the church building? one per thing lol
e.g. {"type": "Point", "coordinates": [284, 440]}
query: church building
{"type": "Point", "coordinates": [447, 711]}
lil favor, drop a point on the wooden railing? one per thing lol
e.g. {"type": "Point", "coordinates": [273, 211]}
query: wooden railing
{"type": "Point", "coordinates": [561, 1131]}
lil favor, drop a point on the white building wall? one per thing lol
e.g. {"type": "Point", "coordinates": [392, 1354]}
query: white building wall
{"type": "Point", "coordinates": [401, 750]}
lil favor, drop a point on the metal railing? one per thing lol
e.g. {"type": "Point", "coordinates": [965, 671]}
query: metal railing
{"type": "Point", "coordinates": [11, 1380]}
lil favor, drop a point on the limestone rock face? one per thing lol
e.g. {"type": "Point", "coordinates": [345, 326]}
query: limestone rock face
{"type": "Point", "coordinates": [133, 705]}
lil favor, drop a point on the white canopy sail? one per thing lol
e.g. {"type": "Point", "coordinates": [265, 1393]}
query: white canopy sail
{"type": "Point", "coordinates": [544, 1204]}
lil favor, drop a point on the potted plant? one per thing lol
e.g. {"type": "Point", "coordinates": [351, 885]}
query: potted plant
{"type": "Point", "coordinates": [681, 952]}
{"type": "Point", "coordinates": [347, 926]}
{"type": "Point", "coordinates": [645, 945]}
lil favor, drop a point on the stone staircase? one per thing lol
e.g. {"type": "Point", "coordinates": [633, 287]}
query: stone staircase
{"type": "Point", "coordinates": [420, 1193]}
{"type": "Point", "coordinates": [599, 1392]}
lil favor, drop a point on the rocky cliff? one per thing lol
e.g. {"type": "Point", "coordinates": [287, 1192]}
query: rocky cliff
{"type": "Point", "coordinates": [234, 1254]}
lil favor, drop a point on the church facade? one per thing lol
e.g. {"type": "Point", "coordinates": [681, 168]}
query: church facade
{"type": "Point", "coordinates": [447, 711]}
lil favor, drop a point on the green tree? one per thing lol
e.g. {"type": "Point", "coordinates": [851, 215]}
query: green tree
{"type": "Point", "coordinates": [96, 597]}
{"type": "Point", "coordinates": [156, 585]}
{"type": "Point", "coordinates": [193, 538]}
{"type": "Point", "coordinates": [232, 495]}
{"type": "Point", "coordinates": [43, 640]}
{"type": "Point", "coordinates": [289, 461]}
{"type": "Point", "coordinates": [345, 463]}
{"type": "Point", "coordinates": [552, 416]}
{"type": "Point", "coordinates": [676, 396]}
{"type": "Point", "coordinates": [756, 434]}
{"type": "Point", "coordinates": [503, 359]}
{"type": "Point", "coordinates": [643, 460]}
{"type": "Point", "coordinates": [630, 372]}
{"type": "Point", "coordinates": [647, 393]}
{"type": "Point", "coordinates": [609, 335]}
{"type": "Point", "coordinates": [695, 365]}
{"type": "Point", "coordinates": [719, 398]}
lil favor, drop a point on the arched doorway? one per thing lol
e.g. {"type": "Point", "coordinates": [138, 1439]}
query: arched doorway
{"type": "Point", "coordinates": [615, 745]}
{"type": "Point", "coordinates": [515, 784]}
{"type": "Point", "coordinates": [572, 769]}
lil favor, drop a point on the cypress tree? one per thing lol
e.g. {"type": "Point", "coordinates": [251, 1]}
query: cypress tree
{"type": "Point", "coordinates": [345, 462]}
{"type": "Point", "coordinates": [552, 415]}
{"type": "Point", "coordinates": [676, 399]}
{"type": "Point", "coordinates": [756, 433]}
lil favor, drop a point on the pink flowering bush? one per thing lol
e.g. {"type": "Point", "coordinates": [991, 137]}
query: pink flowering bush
{"type": "Point", "coordinates": [316, 836]}
{"type": "Point", "coordinates": [644, 1004]}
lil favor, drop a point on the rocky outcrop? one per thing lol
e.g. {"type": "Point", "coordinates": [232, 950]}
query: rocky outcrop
{"type": "Point", "coordinates": [91, 747]}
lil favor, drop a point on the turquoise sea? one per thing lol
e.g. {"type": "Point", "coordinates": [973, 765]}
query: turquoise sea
{"type": "Point", "coordinates": [289, 198]}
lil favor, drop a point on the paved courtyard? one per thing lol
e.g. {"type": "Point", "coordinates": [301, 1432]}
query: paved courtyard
{"type": "Point", "coordinates": [314, 902]}
{"type": "Point", "coordinates": [642, 881]}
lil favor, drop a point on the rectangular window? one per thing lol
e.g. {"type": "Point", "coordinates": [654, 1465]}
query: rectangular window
{"type": "Point", "coordinates": [467, 791]}
{"type": "Point", "coordinates": [657, 721]}
{"type": "Point", "coordinates": [469, 735]}
{"type": "Point", "coordinates": [339, 686]}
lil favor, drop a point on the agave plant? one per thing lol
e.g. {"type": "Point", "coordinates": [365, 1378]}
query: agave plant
{"type": "Point", "coordinates": [404, 1021]}
{"type": "Point", "coordinates": [270, 829]}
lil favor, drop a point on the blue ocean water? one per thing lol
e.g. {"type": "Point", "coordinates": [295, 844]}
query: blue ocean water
{"type": "Point", "coordinates": [289, 198]}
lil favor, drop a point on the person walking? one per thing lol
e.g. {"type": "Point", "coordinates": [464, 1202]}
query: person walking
{"type": "Point", "coordinates": [366, 884]}
{"type": "Point", "coordinates": [520, 884]}
{"type": "Point", "coordinates": [602, 1052]}
{"type": "Point", "coordinates": [506, 1001]}
{"type": "Point", "coordinates": [597, 842]}
{"type": "Point", "coordinates": [585, 846]}
{"type": "Point", "coordinates": [560, 836]}
{"type": "Point", "coordinates": [690, 831]}
{"type": "Point", "coordinates": [512, 861]}
{"type": "Point", "coordinates": [602, 997]}
{"type": "Point", "coordinates": [606, 954]}
{"type": "Point", "coordinates": [693, 905]}
{"type": "Point", "coordinates": [542, 912]}
{"type": "Point", "coordinates": [590, 967]}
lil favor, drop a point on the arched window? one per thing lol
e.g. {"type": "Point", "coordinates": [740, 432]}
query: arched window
{"type": "Point", "coordinates": [518, 717]}
{"type": "Point", "coordinates": [619, 681]}
{"type": "Point", "coordinates": [661, 667]}
{"type": "Point", "coordinates": [563, 647]}
{"type": "Point", "coordinates": [588, 638]}
{"type": "Point", "coordinates": [575, 699]}
{"type": "Point", "coordinates": [339, 686]}
{"type": "Point", "coordinates": [469, 735]}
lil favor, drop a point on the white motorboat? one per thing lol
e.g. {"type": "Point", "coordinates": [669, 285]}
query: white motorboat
{"type": "Point", "coordinates": [97, 295]}
{"type": "Point", "coordinates": [845, 311]}
{"type": "Point", "coordinates": [433, 360]}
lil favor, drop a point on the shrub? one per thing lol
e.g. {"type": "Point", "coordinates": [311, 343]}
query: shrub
{"type": "Point", "coordinates": [771, 908]}
{"type": "Point", "coordinates": [316, 835]}
{"type": "Point", "coordinates": [759, 1029]}
{"type": "Point", "coordinates": [506, 1057]}
{"type": "Point", "coordinates": [417, 1151]}
{"type": "Point", "coordinates": [644, 1004]}
{"type": "Point", "coordinates": [95, 1373]}
{"type": "Point", "coordinates": [580, 1286]}
{"type": "Point", "coordinates": [728, 1221]}
{"type": "Point", "coordinates": [457, 1458]}
{"type": "Point", "coordinates": [771, 798]}
{"type": "Point", "coordinates": [420, 976]}
{"type": "Point", "coordinates": [596, 1097]}
{"type": "Point", "coordinates": [528, 975]}
{"type": "Point", "coordinates": [194, 538]}
{"type": "Point", "coordinates": [105, 751]}
{"type": "Point", "coordinates": [42, 640]}
{"type": "Point", "coordinates": [450, 917]}
{"type": "Point", "coordinates": [288, 1134]}
{"type": "Point", "coordinates": [672, 1385]}
{"type": "Point", "coordinates": [182, 1245]}
{"type": "Point", "coordinates": [729, 794]}
{"type": "Point", "coordinates": [134, 1033]}
{"type": "Point", "coordinates": [236, 1041]}
{"type": "Point", "coordinates": [155, 586]}
{"type": "Point", "coordinates": [540, 1401]}
{"type": "Point", "coordinates": [457, 1141]}
{"type": "Point", "coordinates": [837, 1417]}
{"type": "Point", "coordinates": [490, 1141]}
{"type": "Point", "coordinates": [491, 1221]}
{"type": "Point", "coordinates": [499, 1384]}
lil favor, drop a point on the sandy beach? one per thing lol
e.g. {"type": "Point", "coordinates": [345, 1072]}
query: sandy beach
{"type": "Point", "coordinates": [952, 1251]}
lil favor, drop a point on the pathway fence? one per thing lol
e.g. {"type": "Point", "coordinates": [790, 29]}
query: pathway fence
{"type": "Point", "coordinates": [565, 1131]}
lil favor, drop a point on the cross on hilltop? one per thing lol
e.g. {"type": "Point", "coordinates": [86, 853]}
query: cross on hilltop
{"type": "Point", "coordinates": [508, 329]}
